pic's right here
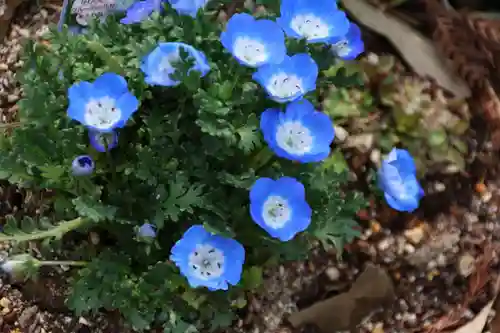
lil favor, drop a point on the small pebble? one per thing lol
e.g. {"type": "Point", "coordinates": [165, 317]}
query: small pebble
{"type": "Point", "coordinates": [466, 264]}
{"type": "Point", "coordinates": [415, 235]}
{"type": "Point", "coordinates": [333, 273]}
{"type": "Point", "coordinates": [5, 302]}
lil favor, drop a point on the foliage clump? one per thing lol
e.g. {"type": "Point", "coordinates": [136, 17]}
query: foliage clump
{"type": "Point", "coordinates": [181, 165]}
{"type": "Point", "coordinates": [385, 107]}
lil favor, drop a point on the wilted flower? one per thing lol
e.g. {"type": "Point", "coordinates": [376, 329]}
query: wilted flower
{"type": "Point", "coordinates": [280, 207]}
{"type": "Point", "coordinates": [16, 266]}
{"type": "Point", "coordinates": [208, 260]}
{"type": "Point", "coordinates": [158, 65]}
{"type": "Point", "coordinates": [290, 79]}
{"type": "Point", "coordinates": [10, 266]}
{"type": "Point", "coordinates": [188, 7]}
{"type": "Point", "coordinates": [140, 11]}
{"type": "Point", "coordinates": [147, 230]}
{"type": "Point", "coordinates": [349, 46]}
{"type": "Point", "coordinates": [82, 165]}
{"type": "Point", "coordinates": [102, 105]}
{"type": "Point", "coordinates": [254, 42]}
{"type": "Point", "coordinates": [100, 141]}
{"type": "Point", "coordinates": [299, 134]}
{"type": "Point", "coordinates": [398, 180]}
{"type": "Point", "coordinates": [315, 20]}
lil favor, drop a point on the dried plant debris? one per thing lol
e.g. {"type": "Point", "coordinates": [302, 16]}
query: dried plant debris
{"type": "Point", "coordinates": [394, 108]}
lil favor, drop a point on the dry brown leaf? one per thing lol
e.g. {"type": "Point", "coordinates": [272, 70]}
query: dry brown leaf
{"type": "Point", "coordinates": [370, 291]}
{"type": "Point", "coordinates": [418, 51]}
{"type": "Point", "coordinates": [477, 324]}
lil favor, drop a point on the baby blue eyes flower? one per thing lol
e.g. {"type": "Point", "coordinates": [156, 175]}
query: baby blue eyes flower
{"type": "Point", "coordinates": [398, 180]}
{"type": "Point", "coordinates": [82, 166]}
{"type": "Point", "coordinates": [102, 105]}
{"type": "Point", "coordinates": [100, 141]}
{"type": "Point", "coordinates": [147, 230]}
{"type": "Point", "coordinates": [188, 7]}
{"type": "Point", "coordinates": [279, 207]}
{"type": "Point", "coordinates": [299, 134]}
{"type": "Point", "coordinates": [158, 65]}
{"type": "Point", "coordinates": [254, 42]}
{"type": "Point", "coordinates": [315, 20]}
{"type": "Point", "coordinates": [208, 260]}
{"type": "Point", "coordinates": [140, 11]}
{"type": "Point", "coordinates": [289, 80]}
{"type": "Point", "coordinates": [349, 46]}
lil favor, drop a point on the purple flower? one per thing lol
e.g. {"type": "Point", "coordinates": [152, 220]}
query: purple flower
{"type": "Point", "coordinates": [139, 11]}
{"type": "Point", "coordinates": [147, 230]}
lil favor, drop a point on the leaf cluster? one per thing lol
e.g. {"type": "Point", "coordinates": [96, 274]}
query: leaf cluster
{"type": "Point", "coordinates": [188, 156]}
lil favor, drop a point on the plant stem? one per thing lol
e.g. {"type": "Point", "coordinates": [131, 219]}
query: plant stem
{"type": "Point", "coordinates": [62, 263]}
{"type": "Point", "coordinates": [60, 229]}
{"type": "Point", "coordinates": [110, 161]}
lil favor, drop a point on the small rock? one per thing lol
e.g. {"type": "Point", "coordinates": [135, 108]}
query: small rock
{"type": "Point", "coordinates": [3, 67]}
{"type": "Point", "coordinates": [439, 187]}
{"type": "Point", "coordinates": [333, 273]}
{"type": "Point", "coordinates": [12, 98]}
{"type": "Point", "coordinates": [408, 248]}
{"type": "Point", "coordinates": [340, 134]}
{"type": "Point", "coordinates": [5, 302]}
{"type": "Point", "coordinates": [376, 156]}
{"type": "Point", "coordinates": [384, 244]}
{"type": "Point", "coordinates": [441, 260]}
{"type": "Point", "coordinates": [415, 235]}
{"type": "Point", "coordinates": [27, 315]}
{"type": "Point", "coordinates": [466, 264]}
{"type": "Point", "coordinates": [5, 311]}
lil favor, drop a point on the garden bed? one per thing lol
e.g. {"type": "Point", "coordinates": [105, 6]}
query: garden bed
{"type": "Point", "coordinates": [427, 255]}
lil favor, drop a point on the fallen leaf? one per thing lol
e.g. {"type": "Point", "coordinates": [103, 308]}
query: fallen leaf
{"type": "Point", "coordinates": [477, 324]}
{"type": "Point", "coordinates": [418, 51]}
{"type": "Point", "coordinates": [370, 291]}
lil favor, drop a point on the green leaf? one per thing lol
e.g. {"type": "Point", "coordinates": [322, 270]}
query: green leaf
{"type": "Point", "coordinates": [252, 278]}
{"type": "Point", "coordinates": [93, 210]}
{"type": "Point", "coordinates": [183, 197]}
{"type": "Point", "coordinates": [52, 172]}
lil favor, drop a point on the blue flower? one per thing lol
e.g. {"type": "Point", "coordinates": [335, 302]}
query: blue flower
{"type": "Point", "coordinates": [188, 7]}
{"type": "Point", "coordinates": [100, 140]}
{"type": "Point", "coordinates": [254, 42]}
{"type": "Point", "coordinates": [158, 65]}
{"type": "Point", "coordinates": [398, 180]}
{"type": "Point", "coordinates": [289, 80]}
{"type": "Point", "coordinates": [102, 105]}
{"type": "Point", "coordinates": [82, 166]}
{"type": "Point", "coordinates": [140, 11]}
{"type": "Point", "coordinates": [280, 207]}
{"type": "Point", "coordinates": [299, 134]}
{"type": "Point", "coordinates": [315, 20]}
{"type": "Point", "coordinates": [147, 230]}
{"type": "Point", "coordinates": [208, 260]}
{"type": "Point", "coordinates": [349, 46]}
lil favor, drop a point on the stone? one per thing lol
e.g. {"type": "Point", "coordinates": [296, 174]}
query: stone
{"type": "Point", "coordinates": [7, 10]}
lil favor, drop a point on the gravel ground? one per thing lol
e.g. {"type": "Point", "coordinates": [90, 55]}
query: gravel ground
{"type": "Point", "coordinates": [430, 257]}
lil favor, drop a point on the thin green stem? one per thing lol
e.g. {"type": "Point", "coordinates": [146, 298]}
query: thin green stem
{"type": "Point", "coordinates": [114, 177]}
{"type": "Point", "coordinates": [62, 263]}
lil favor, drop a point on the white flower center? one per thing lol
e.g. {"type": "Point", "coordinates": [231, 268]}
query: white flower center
{"type": "Point", "coordinates": [310, 26]}
{"type": "Point", "coordinates": [294, 138]}
{"type": "Point", "coordinates": [165, 67]}
{"type": "Point", "coordinates": [276, 212]}
{"type": "Point", "coordinates": [284, 85]}
{"type": "Point", "coordinates": [206, 262]}
{"type": "Point", "coordinates": [102, 113]}
{"type": "Point", "coordinates": [251, 51]}
{"type": "Point", "coordinates": [341, 48]}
